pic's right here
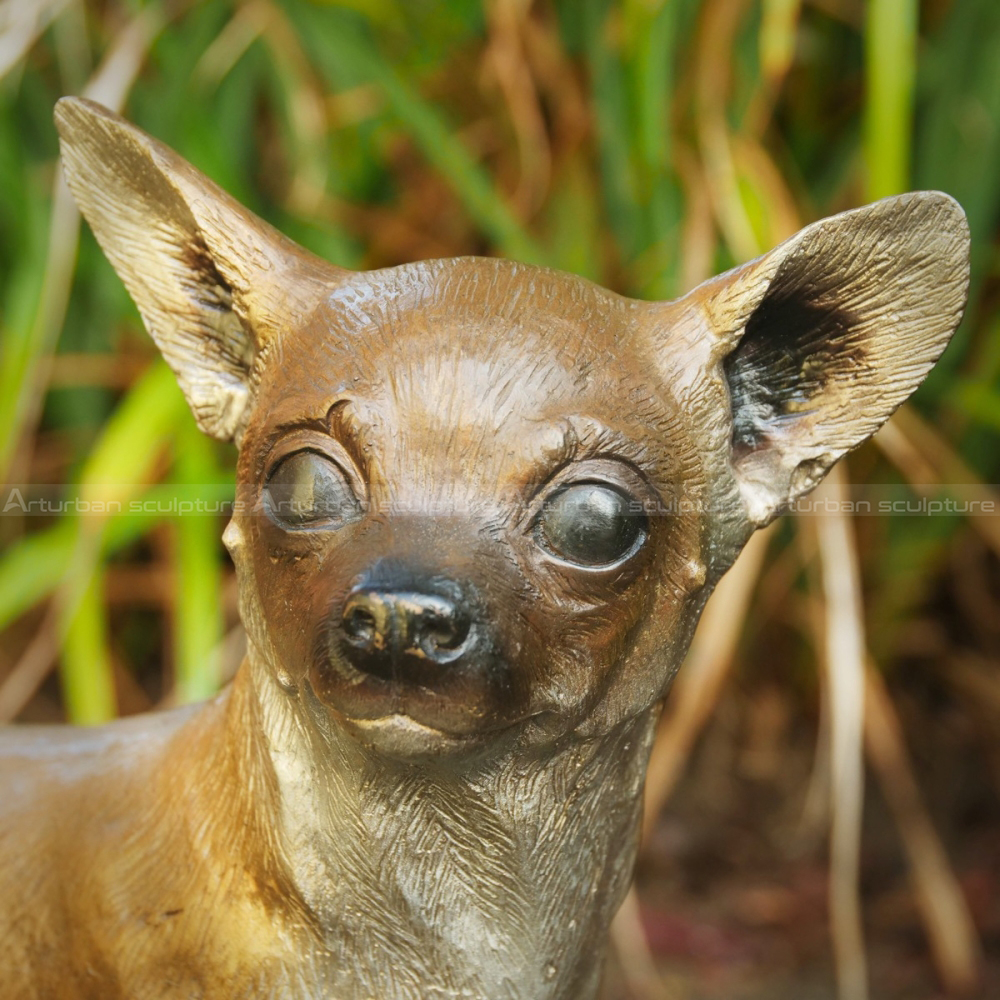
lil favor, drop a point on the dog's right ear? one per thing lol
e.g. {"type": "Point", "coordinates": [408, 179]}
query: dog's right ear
{"type": "Point", "coordinates": [214, 284]}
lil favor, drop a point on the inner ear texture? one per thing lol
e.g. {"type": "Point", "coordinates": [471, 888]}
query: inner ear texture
{"type": "Point", "coordinates": [208, 289]}
{"type": "Point", "coordinates": [794, 342]}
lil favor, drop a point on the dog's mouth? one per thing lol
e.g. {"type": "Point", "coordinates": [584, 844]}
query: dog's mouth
{"type": "Point", "coordinates": [430, 711]}
{"type": "Point", "coordinates": [401, 735]}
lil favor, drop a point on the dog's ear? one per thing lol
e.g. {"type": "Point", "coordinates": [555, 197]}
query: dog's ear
{"type": "Point", "coordinates": [214, 283]}
{"type": "Point", "coordinates": [821, 339]}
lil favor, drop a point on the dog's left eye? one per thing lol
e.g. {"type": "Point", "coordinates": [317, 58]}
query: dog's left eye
{"type": "Point", "coordinates": [307, 489]}
{"type": "Point", "coordinates": [591, 524]}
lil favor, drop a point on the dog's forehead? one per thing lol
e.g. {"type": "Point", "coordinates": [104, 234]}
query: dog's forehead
{"type": "Point", "coordinates": [487, 307]}
{"type": "Point", "coordinates": [465, 339]}
{"type": "Point", "coordinates": [487, 287]}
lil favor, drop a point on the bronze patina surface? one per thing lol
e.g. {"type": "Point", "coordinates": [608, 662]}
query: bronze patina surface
{"type": "Point", "coordinates": [487, 503]}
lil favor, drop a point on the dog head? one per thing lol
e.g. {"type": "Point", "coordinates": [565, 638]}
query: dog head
{"type": "Point", "coordinates": [482, 500]}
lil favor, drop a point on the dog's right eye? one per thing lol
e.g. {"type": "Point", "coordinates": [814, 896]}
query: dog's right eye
{"type": "Point", "coordinates": [591, 525]}
{"type": "Point", "coordinates": [307, 490]}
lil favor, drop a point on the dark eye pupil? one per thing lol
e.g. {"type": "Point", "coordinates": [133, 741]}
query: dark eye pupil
{"type": "Point", "coordinates": [591, 524]}
{"type": "Point", "coordinates": [307, 488]}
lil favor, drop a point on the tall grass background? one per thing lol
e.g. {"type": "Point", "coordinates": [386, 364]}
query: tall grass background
{"type": "Point", "coordinates": [645, 144]}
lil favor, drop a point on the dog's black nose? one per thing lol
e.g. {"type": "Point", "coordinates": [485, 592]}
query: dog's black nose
{"type": "Point", "coordinates": [395, 633]}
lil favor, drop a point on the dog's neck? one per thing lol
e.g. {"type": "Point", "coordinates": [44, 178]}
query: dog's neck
{"type": "Point", "coordinates": [434, 878]}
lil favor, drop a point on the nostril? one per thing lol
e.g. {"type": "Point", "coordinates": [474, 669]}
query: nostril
{"type": "Point", "coordinates": [360, 626]}
{"type": "Point", "coordinates": [442, 636]}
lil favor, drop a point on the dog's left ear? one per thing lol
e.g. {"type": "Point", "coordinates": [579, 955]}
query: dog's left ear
{"type": "Point", "coordinates": [215, 285]}
{"type": "Point", "coordinates": [821, 339]}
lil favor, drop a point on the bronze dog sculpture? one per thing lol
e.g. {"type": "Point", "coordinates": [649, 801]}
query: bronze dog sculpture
{"type": "Point", "coordinates": [487, 504]}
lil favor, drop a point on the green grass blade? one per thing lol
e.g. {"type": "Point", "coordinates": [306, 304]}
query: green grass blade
{"type": "Point", "coordinates": [198, 578]}
{"type": "Point", "coordinates": [573, 222]}
{"type": "Point", "coordinates": [614, 138]}
{"type": "Point", "coordinates": [890, 67]}
{"type": "Point", "coordinates": [650, 60]}
{"type": "Point", "coordinates": [28, 342]}
{"type": "Point", "coordinates": [124, 458]}
{"type": "Point", "coordinates": [958, 141]}
{"type": "Point", "coordinates": [85, 667]}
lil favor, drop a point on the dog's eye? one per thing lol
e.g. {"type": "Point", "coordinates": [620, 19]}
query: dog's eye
{"type": "Point", "coordinates": [591, 524]}
{"type": "Point", "coordinates": [307, 489]}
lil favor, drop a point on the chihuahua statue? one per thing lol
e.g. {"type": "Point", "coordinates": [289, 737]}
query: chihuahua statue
{"type": "Point", "coordinates": [486, 503]}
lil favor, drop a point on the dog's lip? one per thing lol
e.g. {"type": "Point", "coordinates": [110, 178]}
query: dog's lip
{"type": "Point", "coordinates": [466, 711]}
{"type": "Point", "coordinates": [406, 736]}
